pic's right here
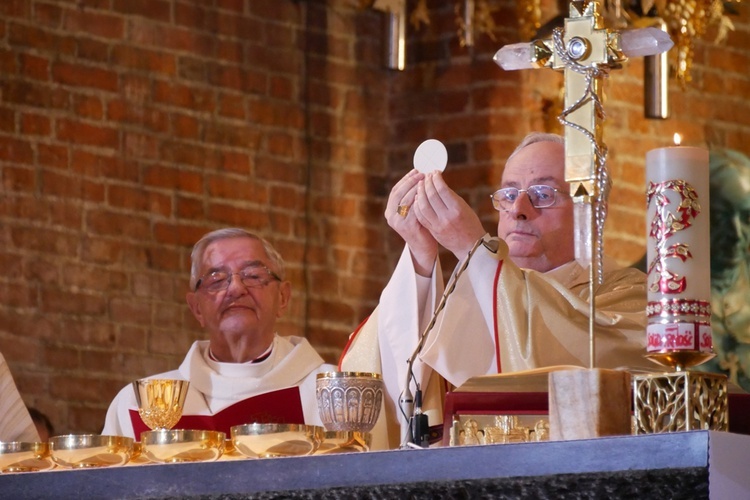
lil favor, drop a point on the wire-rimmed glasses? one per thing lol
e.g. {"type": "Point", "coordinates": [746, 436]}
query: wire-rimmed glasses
{"type": "Point", "coordinates": [541, 196]}
{"type": "Point", "coordinates": [253, 276]}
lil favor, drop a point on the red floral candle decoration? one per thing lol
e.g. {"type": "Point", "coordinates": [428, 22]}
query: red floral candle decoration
{"type": "Point", "coordinates": [679, 269]}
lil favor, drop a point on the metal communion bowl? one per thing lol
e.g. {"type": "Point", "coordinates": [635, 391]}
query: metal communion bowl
{"type": "Point", "coordinates": [177, 445]}
{"type": "Point", "coordinates": [344, 442]}
{"type": "Point", "coordinates": [18, 456]}
{"type": "Point", "coordinates": [276, 440]}
{"type": "Point", "coordinates": [90, 450]}
{"type": "Point", "coordinates": [349, 401]}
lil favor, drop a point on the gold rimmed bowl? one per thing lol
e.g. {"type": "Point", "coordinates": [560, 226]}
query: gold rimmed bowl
{"type": "Point", "coordinates": [276, 440]}
{"type": "Point", "coordinates": [90, 450]}
{"type": "Point", "coordinates": [349, 401]}
{"type": "Point", "coordinates": [344, 442]}
{"type": "Point", "coordinates": [18, 456]}
{"type": "Point", "coordinates": [178, 445]}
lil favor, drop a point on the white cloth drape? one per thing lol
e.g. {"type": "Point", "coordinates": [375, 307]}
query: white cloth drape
{"type": "Point", "coordinates": [15, 421]}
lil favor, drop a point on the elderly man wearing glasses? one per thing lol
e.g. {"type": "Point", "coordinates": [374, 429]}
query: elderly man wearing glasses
{"type": "Point", "coordinates": [244, 372]}
{"type": "Point", "coordinates": [520, 301]}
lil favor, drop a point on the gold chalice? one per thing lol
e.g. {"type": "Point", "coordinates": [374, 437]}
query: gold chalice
{"type": "Point", "coordinates": [160, 401]}
{"type": "Point", "coordinates": [160, 404]}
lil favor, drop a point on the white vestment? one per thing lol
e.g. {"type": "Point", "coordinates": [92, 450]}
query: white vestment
{"type": "Point", "coordinates": [15, 421]}
{"type": "Point", "coordinates": [498, 311]}
{"type": "Point", "coordinates": [214, 386]}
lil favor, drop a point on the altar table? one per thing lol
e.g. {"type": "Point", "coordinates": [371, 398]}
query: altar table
{"type": "Point", "coordinates": [695, 465]}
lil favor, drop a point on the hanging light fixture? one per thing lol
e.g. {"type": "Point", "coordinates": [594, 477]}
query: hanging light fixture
{"type": "Point", "coordinates": [472, 17]}
{"type": "Point", "coordinates": [395, 28]}
{"type": "Point", "coordinates": [685, 21]}
{"type": "Point", "coordinates": [655, 82]}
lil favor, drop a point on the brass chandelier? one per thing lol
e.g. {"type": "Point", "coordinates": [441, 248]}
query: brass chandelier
{"type": "Point", "coordinates": [684, 20]}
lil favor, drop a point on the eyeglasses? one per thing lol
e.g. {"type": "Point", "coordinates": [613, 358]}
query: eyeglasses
{"type": "Point", "coordinates": [254, 276]}
{"type": "Point", "coordinates": [541, 196]}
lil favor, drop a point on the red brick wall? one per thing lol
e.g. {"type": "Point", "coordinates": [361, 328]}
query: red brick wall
{"type": "Point", "coordinates": [130, 128]}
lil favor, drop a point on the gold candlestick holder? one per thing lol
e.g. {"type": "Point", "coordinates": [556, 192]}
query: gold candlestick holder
{"type": "Point", "coordinates": [682, 400]}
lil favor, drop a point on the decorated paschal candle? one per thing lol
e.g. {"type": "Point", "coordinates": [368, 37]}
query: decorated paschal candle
{"type": "Point", "coordinates": [678, 250]}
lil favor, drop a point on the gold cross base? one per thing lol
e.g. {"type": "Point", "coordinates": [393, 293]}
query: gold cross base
{"type": "Point", "coordinates": [680, 401]}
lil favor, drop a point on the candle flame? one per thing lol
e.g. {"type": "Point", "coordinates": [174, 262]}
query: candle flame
{"type": "Point", "coordinates": [677, 139]}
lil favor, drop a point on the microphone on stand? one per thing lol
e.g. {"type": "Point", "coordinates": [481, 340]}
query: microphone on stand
{"type": "Point", "coordinates": [407, 400]}
{"type": "Point", "coordinates": [420, 424]}
{"type": "Point", "coordinates": [411, 406]}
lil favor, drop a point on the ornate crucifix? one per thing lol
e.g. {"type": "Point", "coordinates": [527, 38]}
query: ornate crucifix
{"type": "Point", "coordinates": [585, 50]}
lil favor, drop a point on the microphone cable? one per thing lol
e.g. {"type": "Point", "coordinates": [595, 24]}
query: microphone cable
{"type": "Point", "coordinates": [409, 405]}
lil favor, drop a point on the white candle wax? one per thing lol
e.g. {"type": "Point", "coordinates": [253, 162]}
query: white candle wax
{"type": "Point", "coordinates": [678, 250]}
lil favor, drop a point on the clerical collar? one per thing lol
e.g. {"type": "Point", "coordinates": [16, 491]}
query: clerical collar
{"type": "Point", "coordinates": [259, 359]}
